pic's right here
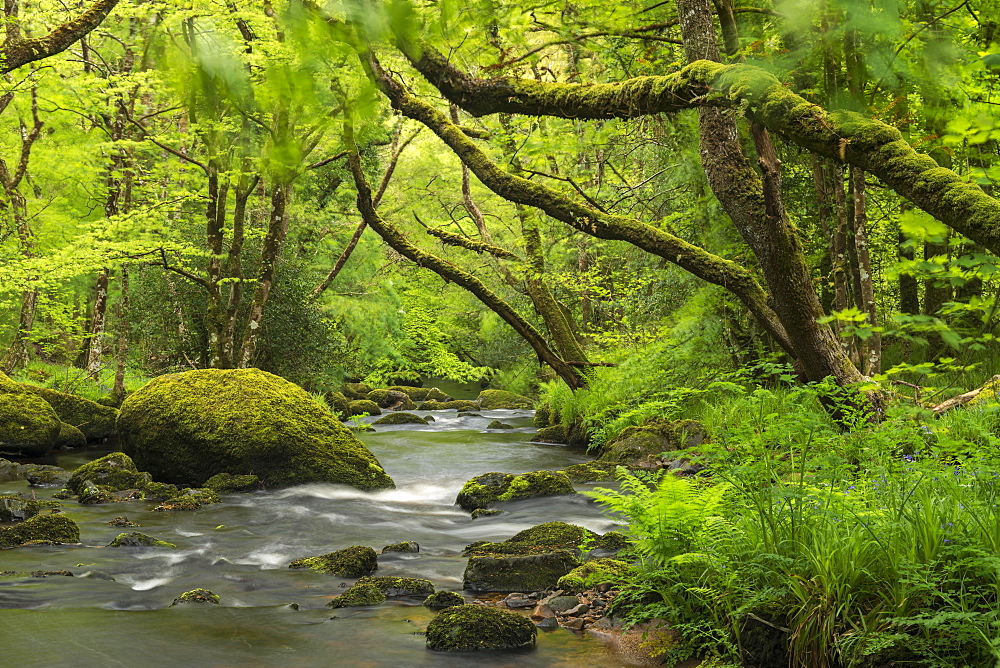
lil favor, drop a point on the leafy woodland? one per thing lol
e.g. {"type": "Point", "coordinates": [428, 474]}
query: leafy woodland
{"type": "Point", "coordinates": [774, 217]}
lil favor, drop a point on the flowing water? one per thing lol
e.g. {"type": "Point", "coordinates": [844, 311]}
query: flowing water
{"type": "Point", "coordinates": [116, 610]}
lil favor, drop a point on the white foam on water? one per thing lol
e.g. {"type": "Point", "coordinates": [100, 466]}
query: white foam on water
{"type": "Point", "coordinates": [187, 534]}
{"type": "Point", "coordinates": [423, 493]}
{"type": "Point", "coordinates": [266, 558]}
{"type": "Point", "coordinates": [139, 584]}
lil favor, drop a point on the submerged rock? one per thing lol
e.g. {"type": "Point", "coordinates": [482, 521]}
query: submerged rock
{"type": "Point", "coordinates": [405, 546]}
{"type": "Point", "coordinates": [400, 418]}
{"type": "Point", "coordinates": [470, 628]}
{"type": "Point", "coordinates": [137, 539]}
{"type": "Point", "coordinates": [494, 399]}
{"type": "Point", "coordinates": [497, 424]}
{"type": "Point", "coordinates": [351, 562]}
{"type": "Point", "coordinates": [393, 587]}
{"type": "Point", "coordinates": [357, 596]}
{"type": "Point", "coordinates": [40, 529]}
{"type": "Point", "coordinates": [485, 490]}
{"type": "Point", "coordinates": [94, 420]}
{"type": "Point", "coordinates": [186, 427]}
{"type": "Point", "coordinates": [28, 424]}
{"type": "Point", "coordinates": [197, 596]}
{"type": "Point", "coordinates": [443, 599]}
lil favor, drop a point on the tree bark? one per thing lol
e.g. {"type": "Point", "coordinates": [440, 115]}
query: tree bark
{"type": "Point", "coordinates": [16, 51]}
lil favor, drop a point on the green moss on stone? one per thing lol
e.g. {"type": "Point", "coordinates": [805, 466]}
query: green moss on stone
{"type": "Point", "coordinates": [337, 402]}
{"type": "Point", "coordinates": [186, 427]}
{"type": "Point", "coordinates": [443, 599]}
{"type": "Point", "coordinates": [590, 472]}
{"type": "Point", "coordinates": [356, 390]}
{"type": "Point", "coordinates": [542, 416]}
{"type": "Point", "coordinates": [405, 546]}
{"type": "Point", "coordinates": [227, 483]}
{"type": "Point", "coordinates": [636, 445]}
{"type": "Point", "coordinates": [454, 405]}
{"type": "Point", "coordinates": [357, 596]}
{"type": "Point", "coordinates": [554, 434]}
{"type": "Point", "coordinates": [494, 399]}
{"type": "Point", "coordinates": [362, 407]}
{"type": "Point", "coordinates": [470, 628]}
{"type": "Point", "coordinates": [70, 437]}
{"type": "Point", "coordinates": [414, 393]}
{"type": "Point", "coordinates": [92, 494]}
{"type": "Point", "coordinates": [114, 472]}
{"type": "Point", "coordinates": [400, 418]}
{"type": "Point", "coordinates": [91, 418]}
{"type": "Point", "coordinates": [351, 562]}
{"type": "Point", "coordinates": [394, 587]}
{"type": "Point", "coordinates": [14, 508]}
{"type": "Point", "coordinates": [434, 394]}
{"type": "Point", "coordinates": [48, 528]}
{"type": "Point", "coordinates": [391, 399]}
{"type": "Point", "coordinates": [497, 424]}
{"type": "Point", "coordinates": [490, 488]}
{"type": "Point", "coordinates": [593, 573]}
{"type": "Point", "coordinates": [39, 475]}
{"type": "Point", "coordinates": [197, 596]}
{"type": "Point", "coordinates": [518, 572]}
{"type": "Point", "coordinates": [28, 424]}
{"type": "Point", "coordinates": [137, 539]}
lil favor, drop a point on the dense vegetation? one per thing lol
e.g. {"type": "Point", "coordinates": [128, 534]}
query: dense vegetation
{"type": "Point", "coordinates": [776, 218]}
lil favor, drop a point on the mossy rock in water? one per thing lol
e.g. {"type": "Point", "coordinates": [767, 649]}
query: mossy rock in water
{"type": "Point", "coordinates": [393, 587]}
{"type": "Point", "coordinates": [400, 418]}
{"type": "Point", "coordinates": [590, 472]}
{"type": "Point", "coordinates": [113, 472]}
{"type": "Point", "coordinates": [351, 562]}
{"type": "Point", "coordinates": [414, 393]}
{"type": "Point", "coordinates": [554, 434]}
{"type": "Point", "coordinates": [543, 415]}
{"type": "Point", "coordinates": [28, 424]}
{"type": "Point", "coordinates": [468, 414]}
{"type": "Point", "coordinates": [362, 407]}
{"type": "Point", "coordinates": [14, 508]}
{"type": "Point", "coordinates": [592, 573]}
{"type": "Point", "coordinates": [197, 596]}
{"type": "Point", "coordinates": [91, 494]}
{"type": "Point", "coordinates": [434, 394]}
{"type": "Point", "coordinates": [138, 539]}
{"type": "Point", "coordinates": [443, 599]}
{"type": "Point", "coordinates": [485, 512]}
{"type": "Point", "coordinates": [405, 546]}
{"type": "Point", "coordinates": [494, 399]}
{"type": "Point", "coordinates": [391, 400]}
{"type": "Point", "coordinates": [639, 445]}
{"type": "Point", "coordinates": [41, 475]}
{"type": "Point", "coordinates": [357, 596]}
{"type": "Point", "coordinates": [549, 536]}
{"type": "Point", "coordinates": [40, 529]}
{"type": "Point", "coordinates": [355, 391]}
{"type": "Point", "coordinates": [189, 499]}
{"type": "Point", "coordinates": [454, 405]}
{"type": "Point", "coordinates": [497, 424]}
{"type": "Point", "coordinates": [227, 483]}
{"type": "Point", "coordinates": [471, 628]}
{"type": "Point", "coordinates": [338, 403]}
{"type": "Point", "coordinates": [491, 488]}
{"type": "Point", "coordinates": [69, 437]}
{"type": "Point", "coordinates": [91, 418]}
{"type": "Point", "coordinates": [518, 572]}
{"type": "Point", "coordinates": [186, 427]}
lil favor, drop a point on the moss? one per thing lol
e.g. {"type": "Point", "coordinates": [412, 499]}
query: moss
{"type": "Point", "coordinates": [593, 573]}
{"type": "Point", "coordinates": [468, 414]}
{"type": "Point", "coordinates": [338, 403]}
{"type": "Point", "coordinates": [114, 472]}
{"type": "Point", "coordinates": [362, 407]}
{"type": "Point", "coordinates": [497, 424]}
{"type": "Point", "coordinates": [490, 488]}
{"type": "Point", "coordinates": [28, 424]}
{"type": "Point", "coordinates": [554, 534]}
{"type": "Point", "coordinates": [91, 418]}
{"type": "Point", "coordinates": [405, 546]}
{"type": "Point", "coordinates": [39, 475]}
{"type": "Point", "coordinates": [434, 394]}
{"type": "Point", "coordinates": [189, 499]}
{"type": "Point", "coordinates": [590, 472]}
{"type": "Point", "coordinates": [197, 596]}
{"type": "Point", "coordinates": [493, 399]}
{"type": "Point", "coordinates": [485, 512]}
{"type": "Point", "coordinates": [137, 539]}
{"type": "Point", "coordinates": [393, 587]}
{"type": "Point", "coordinates": [186, 427]}
{"type": "Point", "coordinates": [356, 390]}
{"type": "Point", "coordinates": [443, 599]}
{"type": "Point", "coordinates": [122, 521]}
{"type": "Point", "coordinates": [614, 541]}
{"type": "Point", "coordinates": [988, 395]}
{"type": "Point", "coordinates": [69, 437]}
{"type": "Point", "coordinates": [470, 628]}
{"type": "Point", "coordinates": [400, 418]}
{"type": "Point", "coordinates": [51, 528]}
{"type": "Point", "coordinates": [454, 405]}
{"type": "Point", "coordinates": [14, 508]}
{"type": "Point", "coordinates": [358, 595]}
{"type": "Point", "coordinates": [92, 494]}
{"type": "Point", "coordinates": [414, 393]}
{"type": "Point", "coordinates": [351, 562]}
{"type": "Point", "coordinates": [227, 483]}
{"type": "Point", "coordinates": [636, 445]}
{"type": "Point", "coordinates": [542, 416]}
{"type": "Point", "coordinates": [391, 399]}
{"type": "Point", "coordinates": [554, 434]}
{"type": "Point", "coordinates": [159, 491]}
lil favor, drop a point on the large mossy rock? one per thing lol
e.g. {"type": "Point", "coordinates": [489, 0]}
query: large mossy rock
{"type": "Point", "coordinates": [351, 562]}
{"type": "Point", "coordinates": [40, 529]}
{"type": "Point", "coordinates": [485, 490]}
{"type": "Point", "coordinates": [414, 393]}
{"type": "Point", "coordinates": [471, 628]}
{"type": "Point", "coordinates": [637, 446]}
{"type": "Point", "coordinates": [554, 434]}
{"type": "Point", "coordinates": [113, 472]}
{"type": "Point", "coordinates": [518, 572]}
{"type": "Point", "coordinates": [393, 587]}
{"type": "Point", "coordinates": [361, 407]}
{"type": "Point", "coordinates": [28, 424]}
{"type": "Point", "coordinates": [391, 400]}
{"type": "Point", "coordinates": [400, 418]}
{"type": "Point", "coordinates": [186, 427]}
{"type": "Point", "coordinates": [359, 595]}
{"type": "Point", "coordinates": [593, 573]}
{"type": "Point", "coordinates": [91, 418]}
{"type": "Point", "coordinates": [494, 399]}
{"type": "Point", "coordinates": [70, 437]}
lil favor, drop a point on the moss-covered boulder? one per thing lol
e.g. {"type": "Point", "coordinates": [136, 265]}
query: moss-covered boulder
{"type": "Point", "coordinates": [414, 393]}
{"type": "Point", "coordinates": [358, 596]}
{"type": "Point", "coordinates": [112, 472]}
{"type": "Point", "coordinates": [391, 400]}
{"type": "Point", "coordinates": [593, 573]}
{"type": "Point", "coordinates": [189, 499]}
{"type": "Point", "coordinates": [590, 472]}
{"type": "Point", "coordinates": [46, 528]}
{"type": "Point", "coordinates": [550, 536]}
{"type": "Point", "coordinates": [355, 391]}
{"type": "Point", "coordinates": [28, 424]}
{"type": "Point", "coordinates": [543, 415]}
{"type": "Point", "coordinates": [46, 475]}
{"type": "Point", "coordinates": [485, 490]}
{"type": "Point", "coordinates": [400, 418]}
{"type": "Point", "coordinates": [186, 427]}
{"type": "Point", "coordinates": [197, 596]}
{"type": "Point", "coordinates": [554, 434]}
{"type": "Point", "coordinates": [227, 483]}
{"type": "Point", "coordinates": [518, 572]}
{"type": "Point", "coordinates": [636, 446]}
{"type": "Point", "coordinates": [471, 628]}
{"type": "Point", "coordinates": [497, 424]}
{"type": "Point", "coordinates": [138, 539]}
{"type": "Point", "coordinates": [393, 587]}
{"type": "Point", "coordinates": [434, 394]}
{"type": "Point", "coordinates": [15, 508]}
{"type": "Point", "coordinates": [351, 562]}
{"type": "Point", "coordinates": [454, 405]}
{"type": "Point", "coordinates": [338, 403]}
{"type": "Point", "coordinates": [443, 599]}
{"type": "Point", "coordinates": [362, 407]}
{"type": "Point", "coordinates": [494, 399]}
{"type": "Point", "coordinates": [405, 546]}
{"type": "Point", "coordinates": [69, 437]}
{"type": "Point", "coordinates": [91, 418]}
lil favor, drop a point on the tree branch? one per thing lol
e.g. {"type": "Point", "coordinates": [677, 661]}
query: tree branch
{"type": "Point", "coordinates": [16, 51]}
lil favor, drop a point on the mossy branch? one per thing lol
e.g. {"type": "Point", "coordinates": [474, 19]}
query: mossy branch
{"type": "Point", "coordinates": [16, 51]}
{"type": "Point", "coordinates": [452, 239]}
